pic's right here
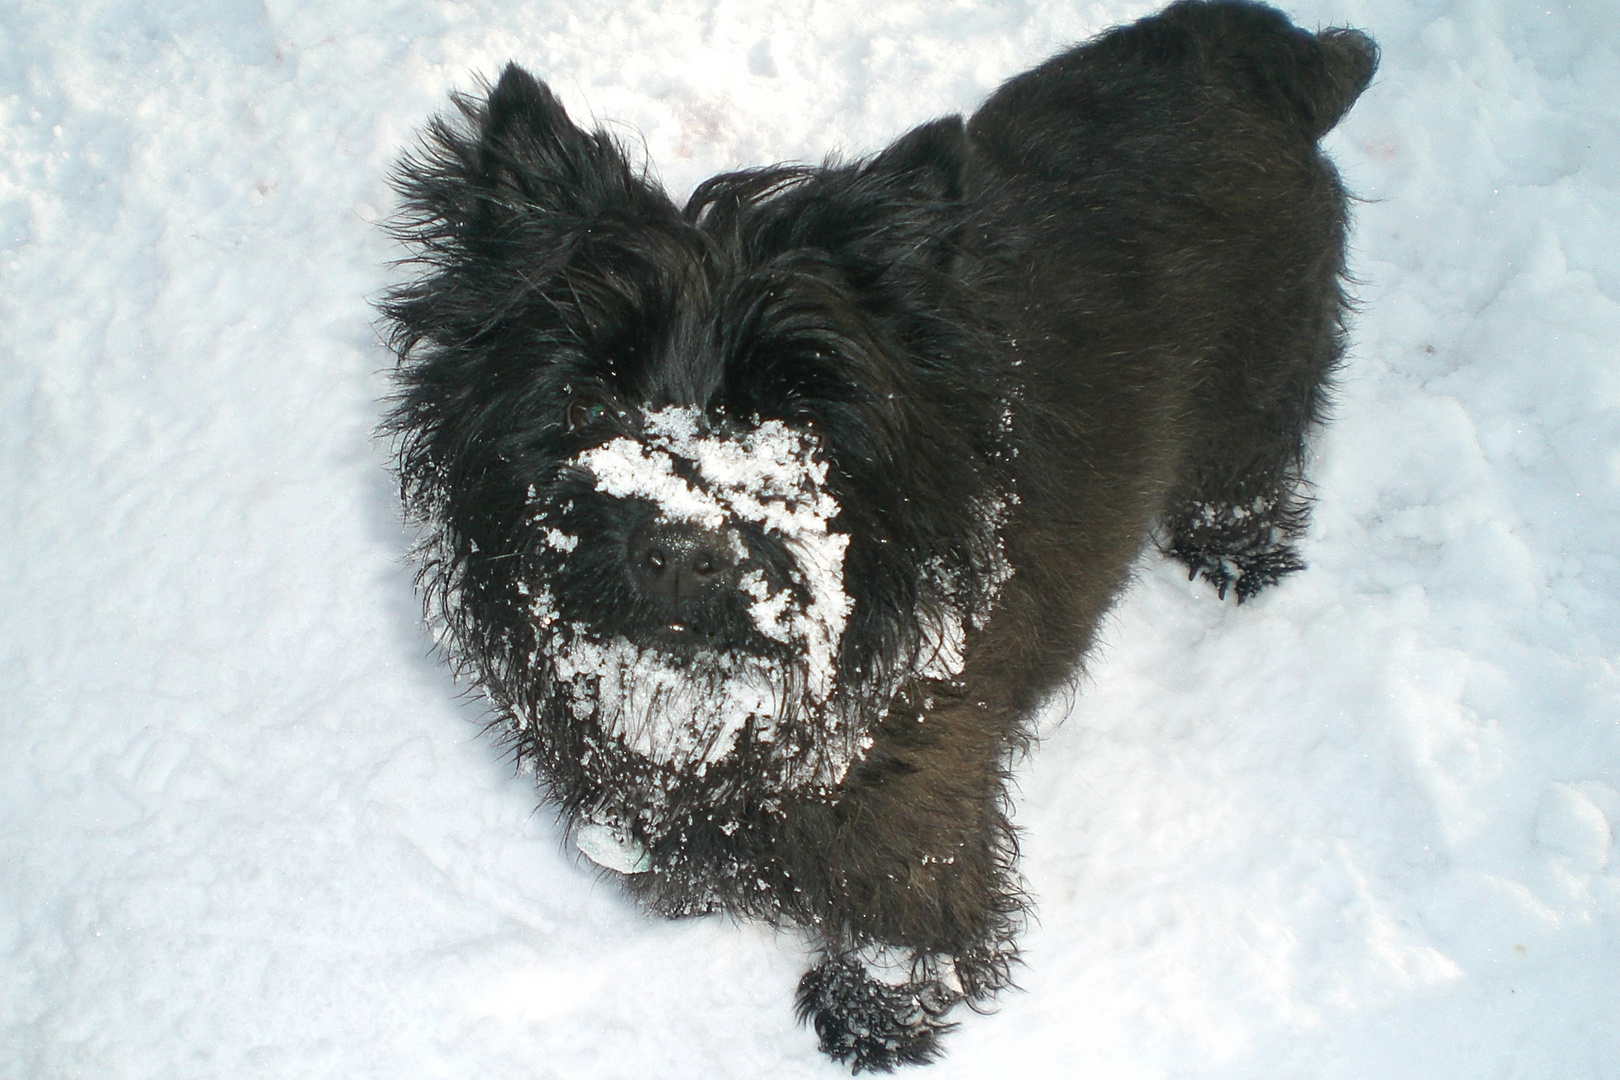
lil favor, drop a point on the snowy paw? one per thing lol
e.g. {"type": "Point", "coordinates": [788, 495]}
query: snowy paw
{"type": "Point", "coordinates": [871, 1025]}
{"type": "Point", "coordinates": [1245, 573]}
{"type": "Point", "coordinates": [1241, 548]}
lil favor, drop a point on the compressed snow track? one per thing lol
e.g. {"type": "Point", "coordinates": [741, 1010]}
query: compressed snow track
{"type": "Point", "coordinates": [1361, 827]}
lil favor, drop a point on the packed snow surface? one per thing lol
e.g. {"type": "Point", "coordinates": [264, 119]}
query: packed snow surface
{"type": "Point", "coordinates": [1363, 826]}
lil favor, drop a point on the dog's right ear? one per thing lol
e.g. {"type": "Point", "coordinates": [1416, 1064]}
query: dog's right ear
{"type": "Point", "coordinates": [532, 157]}
{"type": "Point", "coordinates": [511, 159]}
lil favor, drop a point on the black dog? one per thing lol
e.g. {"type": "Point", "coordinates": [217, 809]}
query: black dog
{"type": "Point", "coordinates": [768, 523]}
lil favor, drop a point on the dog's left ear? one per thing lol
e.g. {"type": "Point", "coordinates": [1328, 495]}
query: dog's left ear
{"type": "Point", "coordinates": [902, 208]}
{"type": "Point", "coordinates": [925, 165]}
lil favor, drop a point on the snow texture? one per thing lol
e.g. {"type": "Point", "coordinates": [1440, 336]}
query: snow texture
{"type": "Point", "coordinates": [1362, 826]}
{"type": "Point", "coordinates": [769, 476]}
{"type": "Point", "coordinates": [692, 711]}
{"type": "Point", "coordinates": [667, 710]}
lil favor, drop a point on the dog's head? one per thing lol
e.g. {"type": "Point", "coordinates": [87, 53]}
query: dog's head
{"type": "Point", "coordinates": [703, 488]}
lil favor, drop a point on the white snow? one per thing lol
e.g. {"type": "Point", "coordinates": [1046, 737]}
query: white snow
{"type": "Point", "coordinates": [681, 711]}
{"type": "Point", "coordinates": [769, 476]}
{"type": "Point", "coordinates": [611, 848]}
{"type": "Point", "coordinates": [1363, 826]}
{"type": "Point", "coordinates": [668, 710]}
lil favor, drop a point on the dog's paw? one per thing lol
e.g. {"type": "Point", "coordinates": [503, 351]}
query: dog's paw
{"type": "Point", "coordinates": [1243, 573]}
{"type": "Point", "coordinates": [872, 1025]}
{"type": "Point", "coordinates": [1237, 549]}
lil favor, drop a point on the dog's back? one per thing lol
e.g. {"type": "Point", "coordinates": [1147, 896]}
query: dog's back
{"type": "Point", "coordinates": [1169, 245]}
{"type": "Point", "coordinates": [1308, 80]}
{"type": "Point", "coordinates": [1246, 51]}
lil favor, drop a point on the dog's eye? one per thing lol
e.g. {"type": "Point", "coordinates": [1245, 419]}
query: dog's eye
{"type": "Point", "coordinates": [584, 414]}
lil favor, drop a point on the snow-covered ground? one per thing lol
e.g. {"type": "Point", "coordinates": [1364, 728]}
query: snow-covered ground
{"type": "Point", "coordinates": [1362, 827]}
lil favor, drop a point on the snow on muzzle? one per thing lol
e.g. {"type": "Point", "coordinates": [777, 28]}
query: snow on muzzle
{"type": "Point", "coordinates": [691, 709]}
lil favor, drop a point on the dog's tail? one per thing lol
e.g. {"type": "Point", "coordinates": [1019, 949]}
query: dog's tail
{"type": "Point", "coordinates": [1306, 79]}
{"type": "Point", "coordinates": [1349, 60]}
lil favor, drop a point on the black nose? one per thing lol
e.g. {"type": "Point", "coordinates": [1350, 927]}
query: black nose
{"type": "Point", "coordinates": [679, 562]}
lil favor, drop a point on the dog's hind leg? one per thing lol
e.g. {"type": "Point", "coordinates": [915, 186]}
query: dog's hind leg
{"type": "Point", "coordinates": [1243, 501]}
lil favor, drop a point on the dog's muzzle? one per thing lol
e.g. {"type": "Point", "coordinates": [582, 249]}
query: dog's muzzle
{"type": "Point", "coordinates": [680, 564]}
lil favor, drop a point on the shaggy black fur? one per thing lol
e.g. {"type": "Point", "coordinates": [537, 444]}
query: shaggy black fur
{"type": "Point", "coordinates": [1105, 308]}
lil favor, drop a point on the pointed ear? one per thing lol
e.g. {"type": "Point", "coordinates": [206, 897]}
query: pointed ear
{"type": "Point", "coordinates": [925, 165]}
{"type": "Point", "coordinates": [531, 155]}
{"type": "Point", "coordinates": [513, 158]}
{"type": "Point", "coordinates": [493, 203]}
{"type": "Point", "coordinates": [903, 207]}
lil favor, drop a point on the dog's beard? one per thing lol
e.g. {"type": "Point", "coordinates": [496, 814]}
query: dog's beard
{"type": "Point", "coordinates": [684, 709]}
{"type": "Point", "coordinates": [686, 713]}
{"type": "Point", "coordinates": [769, 477]}
{"type": "Point", "coordinates": [647, 728]}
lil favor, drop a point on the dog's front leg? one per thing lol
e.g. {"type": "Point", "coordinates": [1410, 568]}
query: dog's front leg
{"type": "Point", "coordinates": [921, 902]}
